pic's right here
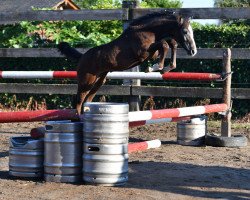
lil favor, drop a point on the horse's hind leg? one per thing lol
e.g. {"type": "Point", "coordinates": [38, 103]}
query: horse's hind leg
{"type": "Point", "coordinates": [100, 81]}
{"type": "Point", "coordinates": [85, 84]}
{"type": "Point", "coordinates": [82, 92]}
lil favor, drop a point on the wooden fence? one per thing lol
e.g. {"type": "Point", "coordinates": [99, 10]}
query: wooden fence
{"type": "Point", "coordinates": [120, 14]}
{"type": "Point", "coordinates": [123, 14]}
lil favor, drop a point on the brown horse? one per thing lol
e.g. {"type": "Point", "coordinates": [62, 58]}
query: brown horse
{"type": "Point", "coordinates": [141, 41]}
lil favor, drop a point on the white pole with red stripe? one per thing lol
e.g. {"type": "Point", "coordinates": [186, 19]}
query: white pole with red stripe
{"type": "Point", "coordinates": [140, 146]}
{"type": "Point", "coordinates": [157, 121]}
{"type": "Point", "coordinates": [176, 112]}
{"type": "Point", "coordinates": [45, 115]}
{"type": "Point", "coordinates": [111, 75]}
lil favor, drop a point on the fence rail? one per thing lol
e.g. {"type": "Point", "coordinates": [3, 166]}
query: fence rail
{"type": "Point", "coordinates": [203, 53]}
{"type": "Point", "coordinates": [70, 89]}
{"type": "Point", "coordinates": [201, 13]}
{"type": "Point", "coordinates": [69, 15]}
{"type": "Point", "coordinates": [120, 14]}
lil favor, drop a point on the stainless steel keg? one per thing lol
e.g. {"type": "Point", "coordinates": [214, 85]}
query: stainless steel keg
{"type": "Point", "coordinates": [105, 123]}
{"type": "Point", "coordinates": [26, 157]}
{"type": "Point", "coordinates": [63, 151]}
{"type": "Point", "coordinates": [192, 132]}
{"type": "Point", "coordinates": [105, 164]}
{"type": "Point", "coordinates": [105, 143]}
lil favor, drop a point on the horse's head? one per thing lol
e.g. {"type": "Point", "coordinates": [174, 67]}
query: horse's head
{"type": "Point", "coordinates": [185, 35]}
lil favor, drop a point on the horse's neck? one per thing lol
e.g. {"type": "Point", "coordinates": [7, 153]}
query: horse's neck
{"type": "Point", "coordinates": [165, 29]}
{"type": "Point", "coordinates": [161, 28]}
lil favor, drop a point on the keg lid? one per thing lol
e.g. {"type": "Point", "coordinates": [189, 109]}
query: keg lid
{"type": "Point", "coordinates": [201, 119]}
{"type": "Point", "coordinates": [26, 143]}
{"type": "Point", "coordinates": [105, 108]}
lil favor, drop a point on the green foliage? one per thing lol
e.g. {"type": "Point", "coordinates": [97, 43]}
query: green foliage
{"type": "Point", "coordinates": [229, 36]}
{"type": "Point", "coordinates": [236, 4]}
{"type": "Point", "coordinates": [232, 3]}
{"type": "Point", "coordinates": [98, 4]}
{"type": "Point", "coordinates": [47, 34]}
{"type": "Point", "coordinates": [161, 4]}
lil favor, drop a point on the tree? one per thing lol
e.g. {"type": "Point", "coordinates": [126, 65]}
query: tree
{"type": "Point", "coordinates": [161, 3]}
{"type": "Point", "coordinates": [98, 4]}
{"type": "Point", "coordinates": [233, 3]}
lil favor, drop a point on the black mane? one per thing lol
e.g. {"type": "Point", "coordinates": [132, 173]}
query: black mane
{"type": "Point", "coordinates": [149, 17]}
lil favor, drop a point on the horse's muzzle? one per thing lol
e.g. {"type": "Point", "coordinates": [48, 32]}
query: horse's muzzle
{"type": "Point", "coordinates": [193, 52]}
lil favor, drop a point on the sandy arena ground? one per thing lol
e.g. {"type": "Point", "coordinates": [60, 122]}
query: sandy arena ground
{"type": "Point", "coordinates": [169, 172]}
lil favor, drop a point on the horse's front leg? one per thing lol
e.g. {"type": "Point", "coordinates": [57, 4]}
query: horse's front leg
{"type": "Point", "coordinates": [173, 45]}
{"type": "Point", "coordinates": [162, 48]}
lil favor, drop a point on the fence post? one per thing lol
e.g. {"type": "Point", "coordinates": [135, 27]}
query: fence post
{"type": "Point", "coordinates": [226, 119]}
{"type": "Point", "coordinates": [134, 101]}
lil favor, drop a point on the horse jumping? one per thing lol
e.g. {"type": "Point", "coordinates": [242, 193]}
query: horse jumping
{"type": "Point", "coordinates": [144, 39]}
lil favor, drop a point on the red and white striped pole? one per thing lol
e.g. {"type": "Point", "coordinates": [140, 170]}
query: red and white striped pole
{"type": "Point", "coordinates": [67, 114]}
{"type": "Point", "coordinates": [176, 112]}
{"type": "Point", "coordinates": [38, 115]}
{"type": "Point", "coordinates": [112, 75]}
{"type": "Point", "coordinates": [140, 146]}
{"type": "Point", "coordinates": [156, 121]}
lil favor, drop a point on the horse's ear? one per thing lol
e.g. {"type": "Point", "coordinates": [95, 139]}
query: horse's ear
{"type": "Point", "coordinates": [180, 19]}
{"type": "Point", "coordinates": [186, 20]}
{"type": "Point", "coordinates": [189, 19]}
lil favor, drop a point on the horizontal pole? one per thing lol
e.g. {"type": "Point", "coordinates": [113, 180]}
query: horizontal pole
{"type": "Point", "coordinates": [156, 121]}
{"type": "Point", "coordinates": [71, 114]}
{"type": "Point", "coordinates": [203, 53]}
{"type": "Point", "coordinates": [141, 146]}
{"type": "Point", "coordinates": [112, 75]}
{"type": "Point", "coordinates": [38, 115]}
{"type": "Point", "coordinates": [191, 76]}
{"type": "Point", "coordinates": [176, 112]}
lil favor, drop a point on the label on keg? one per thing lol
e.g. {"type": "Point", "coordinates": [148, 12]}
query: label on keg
{"type": "Point", "coordinates": [105, 110]}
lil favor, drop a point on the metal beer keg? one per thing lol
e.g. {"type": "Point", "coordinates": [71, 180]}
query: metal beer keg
{"type": "Point", "coordinates": [105, 143]}
{"type": "Point", "coordinates": [192, 132]}
{"type": "Point", "coordinates": [63, 151]}
{"type": "Point", "coordinates": [26, 157]}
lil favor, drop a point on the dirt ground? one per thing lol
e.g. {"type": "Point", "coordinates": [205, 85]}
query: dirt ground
{"type": "Point", "coordinates": [169, 172]}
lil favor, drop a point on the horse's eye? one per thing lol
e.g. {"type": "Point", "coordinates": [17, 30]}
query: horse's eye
{"type": "Point", "coordinates": [185, 31]}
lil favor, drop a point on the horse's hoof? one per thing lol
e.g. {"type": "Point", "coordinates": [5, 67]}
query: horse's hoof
{"type": "Point", "coordinates": [151, 69]}
{"type": "Point", "coordinates": [166, 69]}
{"type": "Point", "coordinates": [162, 72]}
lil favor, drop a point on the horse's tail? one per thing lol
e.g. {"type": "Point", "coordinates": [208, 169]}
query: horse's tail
{"type": "Point", "coordinates": [69, 51]}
